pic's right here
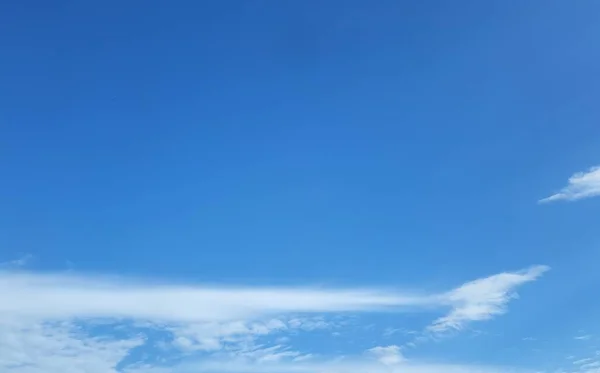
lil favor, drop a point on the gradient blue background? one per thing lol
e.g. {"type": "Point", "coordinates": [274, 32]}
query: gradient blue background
{"type": "Point", "coordinates": [341, 142]}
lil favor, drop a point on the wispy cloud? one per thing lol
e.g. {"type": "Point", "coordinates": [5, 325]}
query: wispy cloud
{"type": "Point", "coordinates": [588, 364]}
{"type": "Point", "coordinates": [583, 361]}
{"type": "Point", "coordinates": [387, 355]}
{"type": "Point", "coordinates": [45, 320]}
{"type": "Point", "coordinates": [28, 346]}
{"type": "Point", "coordinates": [483, 299]}
{"type": "Point", "coordinates": [17, 263]}
{"type": "Point", "coordinates": [581, 185]}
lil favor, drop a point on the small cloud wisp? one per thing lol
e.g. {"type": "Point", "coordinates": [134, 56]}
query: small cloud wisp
{"type": "Point", "coordinates": [581, 185]}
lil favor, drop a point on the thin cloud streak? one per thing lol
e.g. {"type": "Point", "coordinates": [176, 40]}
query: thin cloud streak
{"type": "Point", "coordinates": [68, 296]}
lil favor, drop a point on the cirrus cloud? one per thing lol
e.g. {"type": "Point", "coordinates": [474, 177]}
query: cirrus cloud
{"type": "Point", "coordinates": [581, 185]}
{"type": "Point", "coordinates": [57, 322]}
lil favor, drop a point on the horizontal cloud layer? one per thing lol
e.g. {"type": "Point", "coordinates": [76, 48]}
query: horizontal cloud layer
{"type": "Point", "coordinates": [42, 316]}
{"type": "Point", "coordinates": [69, 296]}
{"type": "Point", "coordinates": [78, 296]}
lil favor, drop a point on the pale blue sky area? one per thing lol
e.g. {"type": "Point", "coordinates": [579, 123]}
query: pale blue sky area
{"type": "Point", "coordinates": [397, 146]}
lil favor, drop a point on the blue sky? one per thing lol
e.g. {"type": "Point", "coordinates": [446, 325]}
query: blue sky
{"type": "Point", "coordinates": [344, 186]}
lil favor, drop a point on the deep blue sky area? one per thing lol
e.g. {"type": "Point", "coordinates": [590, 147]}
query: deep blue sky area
{"type": "Point", "coordinates": [285, 141]}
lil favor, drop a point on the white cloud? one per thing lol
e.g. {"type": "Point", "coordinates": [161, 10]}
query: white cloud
{"type": "Point", "coordinates": [20, 262]}
{"type": "Point", "coordinates": [588, 365]}
{"type": "Point", "coordinates": [591, 366]}
{"type": "Point", "coordinates": [582, 361]}
{"type": "Point", "coordinates": [387, 355]}
{"type": "Point", "coordinates": [67, 296]}
{"type": "Point", "coordinates": [215, 335]}
{"type": "Point", "coordinates": [33, 346]}
{"type": "Point", "coordinates": [581, 185]}
{"type": "Point", "coordinates": [483, 299]}
{"type": "Point", "coordinates": [42, 316]}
